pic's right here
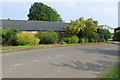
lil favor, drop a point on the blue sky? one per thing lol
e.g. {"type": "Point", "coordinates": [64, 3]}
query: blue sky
{"type": "Point", "coordinates": [105, 12]}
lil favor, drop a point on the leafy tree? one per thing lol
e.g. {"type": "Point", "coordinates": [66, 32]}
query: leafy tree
{"type": "Point", "coordinates": [42, 12]}
{"type": "Point", "coordinates": [116, 36]}
{"type": "Point", "coordinates": [106, 33]}
{"type": "Point", "coordinates": [0, 35]}
{"type": "Point", "coordinates": [75, 26]}
{"type": "Point", "coordinates": [90, 27]}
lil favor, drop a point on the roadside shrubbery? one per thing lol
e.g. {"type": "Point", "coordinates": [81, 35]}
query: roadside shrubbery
{"type": "Point", "coordinates": [9, 36]}
{"type": "Point", "coordinates": [79, 31]}
{"type": "Point", "coordinates": [116, 36]}
{"type": "Point", "coordinates": [47, 37]}
{"type": "Point", "coordinates": [26, 38]}
{"type": "Point", "coordinates": [71, 39]}
{"type": "Point", "coordinates": [105, 34]}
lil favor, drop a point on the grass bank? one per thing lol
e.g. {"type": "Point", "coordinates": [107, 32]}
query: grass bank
{"type": "Point", "coordinates": [47, 45]}
{"type": "Point", "coordinates": [112, 73]}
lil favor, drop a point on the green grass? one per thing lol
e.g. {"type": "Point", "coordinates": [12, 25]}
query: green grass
{"type": "Point", "coordinates": [113, 72]}
{"type": "Point", "coordinates": [45, 45]}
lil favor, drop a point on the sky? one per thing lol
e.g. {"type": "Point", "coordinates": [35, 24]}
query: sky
{"type": "Point", "coordinates": [106, 13]}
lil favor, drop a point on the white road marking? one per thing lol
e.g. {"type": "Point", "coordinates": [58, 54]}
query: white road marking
{"type": "Point", "coordinates": [35, 60]}
{"type": "Point", "coordinates": [18, 64]}
{"type": "Point", "coordinates": [48, 57]}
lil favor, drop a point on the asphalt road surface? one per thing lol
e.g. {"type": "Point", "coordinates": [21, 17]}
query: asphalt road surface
{"type": "Point", "coordinates": [65, 62]}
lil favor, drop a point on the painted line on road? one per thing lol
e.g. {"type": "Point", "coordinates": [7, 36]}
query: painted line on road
{"type": "Point", "coordinates": [35, 60]}
{"type": "Point", "coordinates": [18, 64]}
{"type": "Point", "coordinates": [48, 57]}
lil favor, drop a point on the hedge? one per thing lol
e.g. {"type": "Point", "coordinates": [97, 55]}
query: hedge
{"type": "Point", "coordinates": [26, 38]}
{"type": "Point", "coordinates": [47, 37]}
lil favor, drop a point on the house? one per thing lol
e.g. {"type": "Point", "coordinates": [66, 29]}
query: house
{"type": "Point", "coordinates": [106, 27]}
{"type": "Point", "coordinates": [34, 26]}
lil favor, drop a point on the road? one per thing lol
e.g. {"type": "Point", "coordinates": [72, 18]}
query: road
{"type": "Point", "coordinates": [65, 62]}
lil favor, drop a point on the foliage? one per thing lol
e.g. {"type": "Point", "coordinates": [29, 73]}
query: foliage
{"type": "Point", "coordinates": [83, 28]}
{"type": "Point", "coordinates": [105, 33]}
{"type": "Point", "coordinates": [9, 36]}
{"type": "Point", "coordinates": [92, 40]}
{"type": "Point", "coordinates": [112, 73]}
{"type": "Point", "coordinates": [75, 26]}
{"type": "Point", "coordinates": [0, 35]}
{"type": "Point", "coordinates": [62, 42]}
{"type": "Point", "coordinates": [95, 36]}
{"type": "Point", "coordinates": [116, 36]}
{"type": "Point", "coordinates": [91, 25]}
{"type": "Point", "coordinates": [42, 12]}
{"type": "Point", "coordinates": [26, 38]}
{"type": "Point", "coordinates": [47, 37]}
{"type": "Point", "coordinates": [71, 39]}
{"type": "Point", "coordinates": [82, 40]}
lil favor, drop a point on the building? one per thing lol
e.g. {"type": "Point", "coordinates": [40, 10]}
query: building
{"type": "Point", "coordinates": [34, 26]}
{"type": "Point", "coordinates": [106, 27]}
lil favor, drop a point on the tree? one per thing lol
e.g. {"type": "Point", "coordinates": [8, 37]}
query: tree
{"type": "Point", "coordinates": [90, 27]}
{"type": "Point", "coordinates": [75, 26]}
{"type": "Point", "coordinates": [116, 36]}
{"type": "Point", "coordinates": [106, 33]}
{"type": "Point", "coordinates": [42, 12]}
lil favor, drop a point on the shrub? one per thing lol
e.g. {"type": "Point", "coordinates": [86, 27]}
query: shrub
{"type": "Point", "coordinates": [82, 40]}
{"type": "Point", "coordinates": [86, 40]}
{"type": "Point", "coordinates": [62, 42]}
{"type": "Point", "coordinates": [95, 37]}
{"type": "Point", "coordinates": [47, 37]}
{"type": "Point", "coordinates": [0, 35]}
{"type": "Point", "coordinates": [71, 39]}
{"type": "Point", "coordinates": [116, 36]}
{"type": "Point", "coordinates": [92, 40]}
{"type": "Point", "coordinates": [9, 36]}
{"type": "Point", "coordinates": [26, 38]}
{"type": "Point", "coordinates": [105, 33]}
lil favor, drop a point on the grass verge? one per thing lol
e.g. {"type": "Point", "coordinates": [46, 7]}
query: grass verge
{"type": "Point", "coordinates": [112, 73]}
{"type": "Point", "coordinates": [47, 45]}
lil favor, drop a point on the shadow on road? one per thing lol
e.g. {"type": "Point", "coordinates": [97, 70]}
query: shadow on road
{"type": "Point", "coordinates": [100, 65]}
{"type": "Point", "coordinates": [102, 51]}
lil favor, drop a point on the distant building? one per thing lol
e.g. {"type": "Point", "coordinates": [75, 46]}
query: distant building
{"type": "Point", "coordinates": [106, 27]}
{"type": "Point", "coordinates": [34, 26]}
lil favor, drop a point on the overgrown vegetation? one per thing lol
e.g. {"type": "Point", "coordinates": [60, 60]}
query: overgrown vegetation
{"type": "Point", "coordinates": [79, 31]}
{"type": "Point", "coordinates": [26, 38]}
{"type": "Point", "coordinates": [71, 39]}
{"type": "Point", "coordinates": [87, 31]}
{"type": "Point", "coordinates": [116, 36]}
{"type": "Point", "coordinates": [47, 37]}
{"type": "Point", "coordinates": [9, 36]}
{"type": "Point", "coordinates": [112, 73]}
